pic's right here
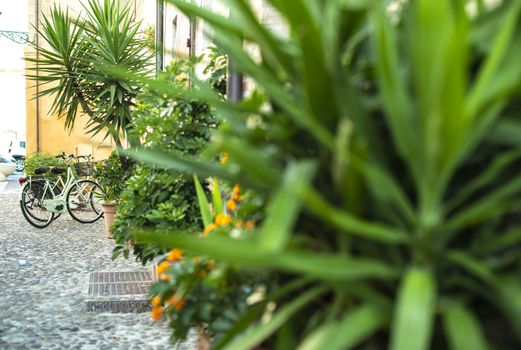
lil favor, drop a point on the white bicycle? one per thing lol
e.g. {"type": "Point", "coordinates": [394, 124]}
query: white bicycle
{"type": "Point", "coordinates": [43, 199]}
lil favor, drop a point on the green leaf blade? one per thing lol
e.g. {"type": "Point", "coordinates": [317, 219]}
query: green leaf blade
{"type": "Point", "coordinates": [203, 202]}
{"type": "Point", "coordinates": [284, 208]}
{"type": "Point", "coordinates": [357, 325]}
{"type": "Point", "coordinates": [216, 197]}
{"type": "Point", "coordinates": [414, 314]}
{"type": "Point", "coordinates": [462, 328]}
{"type": "Point", "coordinates": [257, 334]}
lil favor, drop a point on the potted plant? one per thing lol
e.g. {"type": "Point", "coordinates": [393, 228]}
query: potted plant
{"type": "Point", "coordinates": [111, 175]}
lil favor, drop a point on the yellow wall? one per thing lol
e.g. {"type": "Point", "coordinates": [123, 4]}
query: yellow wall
{"type": "Point", "coordinates": [30, 110]}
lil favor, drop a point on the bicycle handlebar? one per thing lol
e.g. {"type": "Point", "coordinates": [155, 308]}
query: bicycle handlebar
{"type": "Point", "coordinates": [87, 156]}
{"type": "Point", "coordinates": [73, 157]}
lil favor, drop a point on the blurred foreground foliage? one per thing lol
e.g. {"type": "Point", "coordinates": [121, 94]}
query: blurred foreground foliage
{"type": "Point", "coordinates": [386, 141]}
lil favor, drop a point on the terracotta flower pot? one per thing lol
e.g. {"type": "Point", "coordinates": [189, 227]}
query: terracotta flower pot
{"type": "Point", "coordinates": [203, 340]}
{"type": "Point", "coordinates": [109, 212]}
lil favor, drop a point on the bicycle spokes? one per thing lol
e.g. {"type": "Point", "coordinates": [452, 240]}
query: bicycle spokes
{"type": "Point", "coordinates": [83, 203]}
{"type": "Point", "coordinates": [31, 203]}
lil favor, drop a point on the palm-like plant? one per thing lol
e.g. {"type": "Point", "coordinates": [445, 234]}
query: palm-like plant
{"type": "Point", "coordinates": [73, 61]}
{"type": "Point", "coordinates": [387, 154]}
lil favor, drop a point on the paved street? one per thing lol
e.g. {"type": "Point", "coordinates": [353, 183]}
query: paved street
{"type": "Point", "coordinates": [44, 282]}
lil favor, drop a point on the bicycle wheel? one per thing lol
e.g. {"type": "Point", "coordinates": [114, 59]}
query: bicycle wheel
{"type": "Point", "coordinates": [20, 164]}
{"type": "Point", "coordinates": [83, 201]}
{"type": "Point", "coordinates": [31, 203]}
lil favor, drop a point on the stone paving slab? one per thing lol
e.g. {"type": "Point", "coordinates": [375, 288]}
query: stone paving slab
{"type": "Point", "coordinates": [44, 280]}
{"type": "Point", "coordinates": [12, 186]}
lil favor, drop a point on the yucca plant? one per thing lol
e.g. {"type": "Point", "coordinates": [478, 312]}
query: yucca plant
{"type": "Point", "coordinates": [388, 148]}
{"type": "Point", "coordinates": [72, 59]}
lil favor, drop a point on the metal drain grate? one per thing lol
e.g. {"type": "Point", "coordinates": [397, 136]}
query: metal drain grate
{"type": "Point", "coordinates": [122, 288]}
{"type": "Point", "coordinates": [117, 306]}
{"type": "Point", "coordinates": [130, 276]}
{"type": "Point", "coordinates": [119, 283]}
{"type": "Point", "coordinates": [131, 287]}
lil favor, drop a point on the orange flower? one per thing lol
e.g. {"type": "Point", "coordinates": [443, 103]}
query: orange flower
{"type": "Point", "coordinates": [156, 301]}
{"type": "Point", "coordinates": [164, 277]}
{"type": "Point", "coordinates": [179, 305]}
{"type": "Point", "coordinates": [163, 267]}
{"type": "Point", "coordinates": [224, 158]}
{"type": "Point", "coordinates": [223, 219]}
{"type": "Point", "coordinates": [209, 229]}
{"type": "Point", "coordinates": [210, 265]}
{"type": "Point", "coordinates": [238, 224]}
{"type": "Point", "coordinates": [249, 225]}
{"type": "Point", "coordinates": [156, 312]}
{"type": "Point", "coordinates": [175, 255]}
{"type": "Point", "coordinates": [230, 204]}
{"type": "Point", "coordinates": [176, 303]}
{"type": "Point", "coordinates": [237, 193]}
{"type": "Point", "coordinates": [172, 300]}
{"type": "Point", "coordinates": [202, 274]}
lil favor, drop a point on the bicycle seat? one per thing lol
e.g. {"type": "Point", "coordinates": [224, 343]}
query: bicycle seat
{"type": "Point", "coordinates": [40, 170]}
{"type": "Point", "coordinates": [55, 170]}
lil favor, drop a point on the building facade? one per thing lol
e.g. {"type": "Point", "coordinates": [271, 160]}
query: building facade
{"type": "Point", "coordinates": [177, 37]}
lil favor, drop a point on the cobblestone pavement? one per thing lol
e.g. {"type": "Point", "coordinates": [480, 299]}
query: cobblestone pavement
{"type": "Point", "coordinates": [41, 303]}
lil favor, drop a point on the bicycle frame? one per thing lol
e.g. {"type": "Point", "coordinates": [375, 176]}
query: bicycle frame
{"type": "Point", "coordinates": [57, 202]}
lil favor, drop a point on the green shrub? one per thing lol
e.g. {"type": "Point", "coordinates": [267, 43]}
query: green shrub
{"type": "Point", "coordinates": [154, 197]}
{"type": "Point", "coordinates": [42, 159]}
{"type": "Point", "coordinates": [180, 125]}
{"type": "Point", "coordinates": [111, 175]}
{"type": "Point", "coordinates": [388, 148]}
